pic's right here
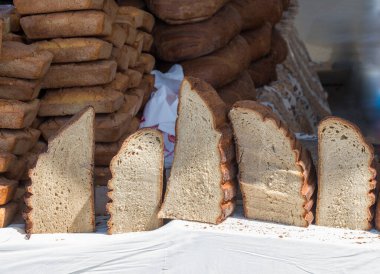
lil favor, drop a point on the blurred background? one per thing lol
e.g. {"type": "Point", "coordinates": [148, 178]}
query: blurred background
{"type": "Point", "coordinates": [343, 36]}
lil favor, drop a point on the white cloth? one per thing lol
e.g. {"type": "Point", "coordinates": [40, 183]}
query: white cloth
{"type": "Point", "coordinates": [161, 110]}
{"type": "Point", "coordinates": [236, 246]}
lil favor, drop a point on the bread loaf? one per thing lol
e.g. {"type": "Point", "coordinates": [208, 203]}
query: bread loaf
{"type": "Point", "coordinates": [31, 158]}
{"type": "Point", "coordinates": [276, 175]}
{"type": "Point", "coordinates": [104, 152]}
{"type": "Point", "coordinates": [18, 142]}
{"type": "Point", "coordinates": [108, 128]}
{"type": "Point", "coordinates": [7, 213]}
{"type": "Point", "coordinates": [185, 11]}
{"type": "Point", "coordinates": [136, 186]}
{"type": "Point", "coordinates": [19, 89]}
{"type": "Point", "coordinates": [80, 74]}
{"type": "Point", "coordinates": [118, 37]}
{"type": "Point", "coordinates": [135, 78]}
{"type": "Point", "coordinates": [133, 101]}
{"type": "Point", "coordinates": [147, 41]}
{"type": "Point", "coordinates": [263, 71]}
{"type": "Point", "coordinates": [131, 33]}
{"type": "Point", "coordinates": [347, 176]}
{"type": "Point", "coordinates": [76, 49]}
{"type": "Point", "coordinates": [7, 190]}
{"type": "Point", "coordinates": [225, 65]}
{"type": "Point", "coordinates": [201, 184]}
{"type": "Point", "coordinates": [22, 61]}
{"type": "Point", "coordinates": [6, 161]}
{"type": "Point", "coordinates": [17, 114]}
{"type": "Point", "coordinates": [71, 100]}
{"type": "Point", "coordinates": [120, 83]}
{"type": "Point", "coordinates": [17, 169]}
{"type": "Point", "coordinates": [67, 24]}
{"type": "Point", "coordinates": [242, 88]}
{"type": "Point", "coordinates": [140, 18]}
{"type": "Point", "coordinates": [140, 4]}
{"type": "Point", "coordinates": [147, 61]}
{"type": "Point", "coordinates": [189, 41]}
{"type": "Point", "coordinates": [60, 198]}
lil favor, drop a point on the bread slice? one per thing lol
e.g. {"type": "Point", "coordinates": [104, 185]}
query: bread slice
{"type": "Point", "coordinates": [108, 128]}
{"type": "Point", "coordinates": [76, 49]}
{"type": "Point", "coordinates": [22, 61]}
{"type": "Point", "coordinates": [201, 185]}
{"type": "Point", "coordinates": [19, 89]}
{"type": "Point", "coordinates": [7, 190]}
{"type": "Point", "coordinates": [118, 37]}
{"type": "Point", "coordinates": [67, 24]}
{"type": "Point", "coordinates": [7, 213]}
{"type": "Point", "coordinates": [276, 175]}
{"type": "Point", "coordinates": [136, 186]}
{"type": "Point", "coordinates": [48, 6]}
{"type": "Point", "coordinates": [80, 74]}
{"type": "Point", "coordinates": [346, 173]}
{"type": "Point", "coordinates": [18, 142]}
{"type": "Point", "coordinates": [60, 198]}
{"type": "Point", "coordinates": [16, 114]}
{"type": "Point", "coordinates": [71, 100]}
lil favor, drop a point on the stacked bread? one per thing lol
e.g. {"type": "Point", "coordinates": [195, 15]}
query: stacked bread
{"type": "Point", "coordinates": [100, 59]}
{"type": "Point", "coordinates": [22, 69]}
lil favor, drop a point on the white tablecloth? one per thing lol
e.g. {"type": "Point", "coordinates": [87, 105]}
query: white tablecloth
{"type": "Point", "coordinates": [236, 246]}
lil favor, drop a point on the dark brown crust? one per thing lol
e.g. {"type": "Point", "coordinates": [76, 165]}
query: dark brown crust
{"type": "Point", "coordinates": [221, 124]}
{"type": "Point", "coordinates": [308, 183]}
{"type": "Point", "coordinates": [29, 191]}
{"type": "Point", "coordinates": [111, 187]}
{"type": "Point", "coordinates": [371, 166]}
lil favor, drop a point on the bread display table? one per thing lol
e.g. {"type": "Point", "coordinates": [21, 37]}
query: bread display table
{"type": "Point", "coordinates": [235, 246]}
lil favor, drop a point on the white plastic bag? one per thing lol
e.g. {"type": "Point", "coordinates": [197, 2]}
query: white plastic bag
{"type": "Point", "coordinates": [161, 110]}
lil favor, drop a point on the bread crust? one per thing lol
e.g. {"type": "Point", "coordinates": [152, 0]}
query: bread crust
{"type": "Point", "coordinates": [303, 160]}
{"type": "Point", "coordinates": [111, 187]}
{"type": "Point", "coordinates": [371, 166]}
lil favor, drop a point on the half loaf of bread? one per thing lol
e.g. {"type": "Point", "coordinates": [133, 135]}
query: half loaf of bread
{"type": "Point", "coordinates": [136, 186]}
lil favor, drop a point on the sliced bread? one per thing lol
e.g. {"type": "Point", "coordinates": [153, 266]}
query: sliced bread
{"type": "Point", "coordinates": [136, 186]}
{"type": "Point", "coordinates": [71, 100]}
{"type": "Point", "coordinates": [16, 114]}
{"type": "Point", "coordinates": [276, 175]}
{"type": "Point", "coordinates": [7, 190]}
{"type": "Point", "coordinates": [18, 142]}
{"type": "Point", "coordinates": [346, 186]}
{"type": "Point", "coordinates": [60, 198]}
{"type": "Point", "coordinates": [19, 89]}
{"type": "Point", "coordinates": [201, 185]}
{"type": "Point", "coordinates": [80, 74]}
{"type": "Point", "coordinates": [76, 49]}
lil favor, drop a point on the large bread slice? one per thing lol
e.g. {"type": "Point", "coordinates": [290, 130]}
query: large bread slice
{"type": "Point", "coordinates": [19, 89]}
{"type": "Point", "coordinates": [67, 24]}
{"type": "Point", "coordinates": [80, 74]}
{"type": "Point", "coordinates": [18, 142]}
{"type": "Point", "coordinates": [22, 61]}
{"type": "Point", "coordinates": [108, 128]}
{"type": "Point", "coordinates": [76, 49]}
{"type": "Point", "coordinates": [17, 115]}
{"type": "Point", "coordinates": [48, 6]}
{"type": "Point", "coordinates": [136, 186]}
{"type": "Point", "coordinates": [60, 198]}
{"type": "Point", "coordinates": [7, 190]}
{"type": "Point", "coordinates": [346, 186]}
{"type": "Point", "coordinates": [201, 184]}
{"type": "Point", "coordinates": [276, 175]}
{"type": "Point", "coordinates": [7, 213]}
{"type": "Point", "coordinates": [71, 100]}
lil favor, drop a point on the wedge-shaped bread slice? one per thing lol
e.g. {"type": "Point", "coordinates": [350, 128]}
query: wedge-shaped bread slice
{"type": "Point", "coordinates": [67, 24]}
{"type": "Point", "coordinates": [17, 115]}
{"type": "Point", "coordinates": [60, 198]}
{"type": "Point", "coordinates": [73, 50]}
{"type": "Point", "coordinates": [136, 186]}
{"type": "Point", "coordinates": [276, 175]}
{"type": "Point", "coordinates": [49, 6]}
{"type": "Point", "coordinates": [18, 142]}
{"type": "Point", "coordinates": [22, 61]}
{"type": "Point", "coordinates": [346, 174]}
{"type": "Point", "coordinates": [7, 190]}
{"type": "Point", "coordinates": [80, 74]}
{"type": "Point", "coordinates": [71, 100]}
{"type": "Point", "coordinates": [108, 128]}
{"type": "Point", "coordinates": [7, 213]}
{"type": "Point", "coordinates": [19, 89]}
{"type": "Point", "coordinates": [201, 185]}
